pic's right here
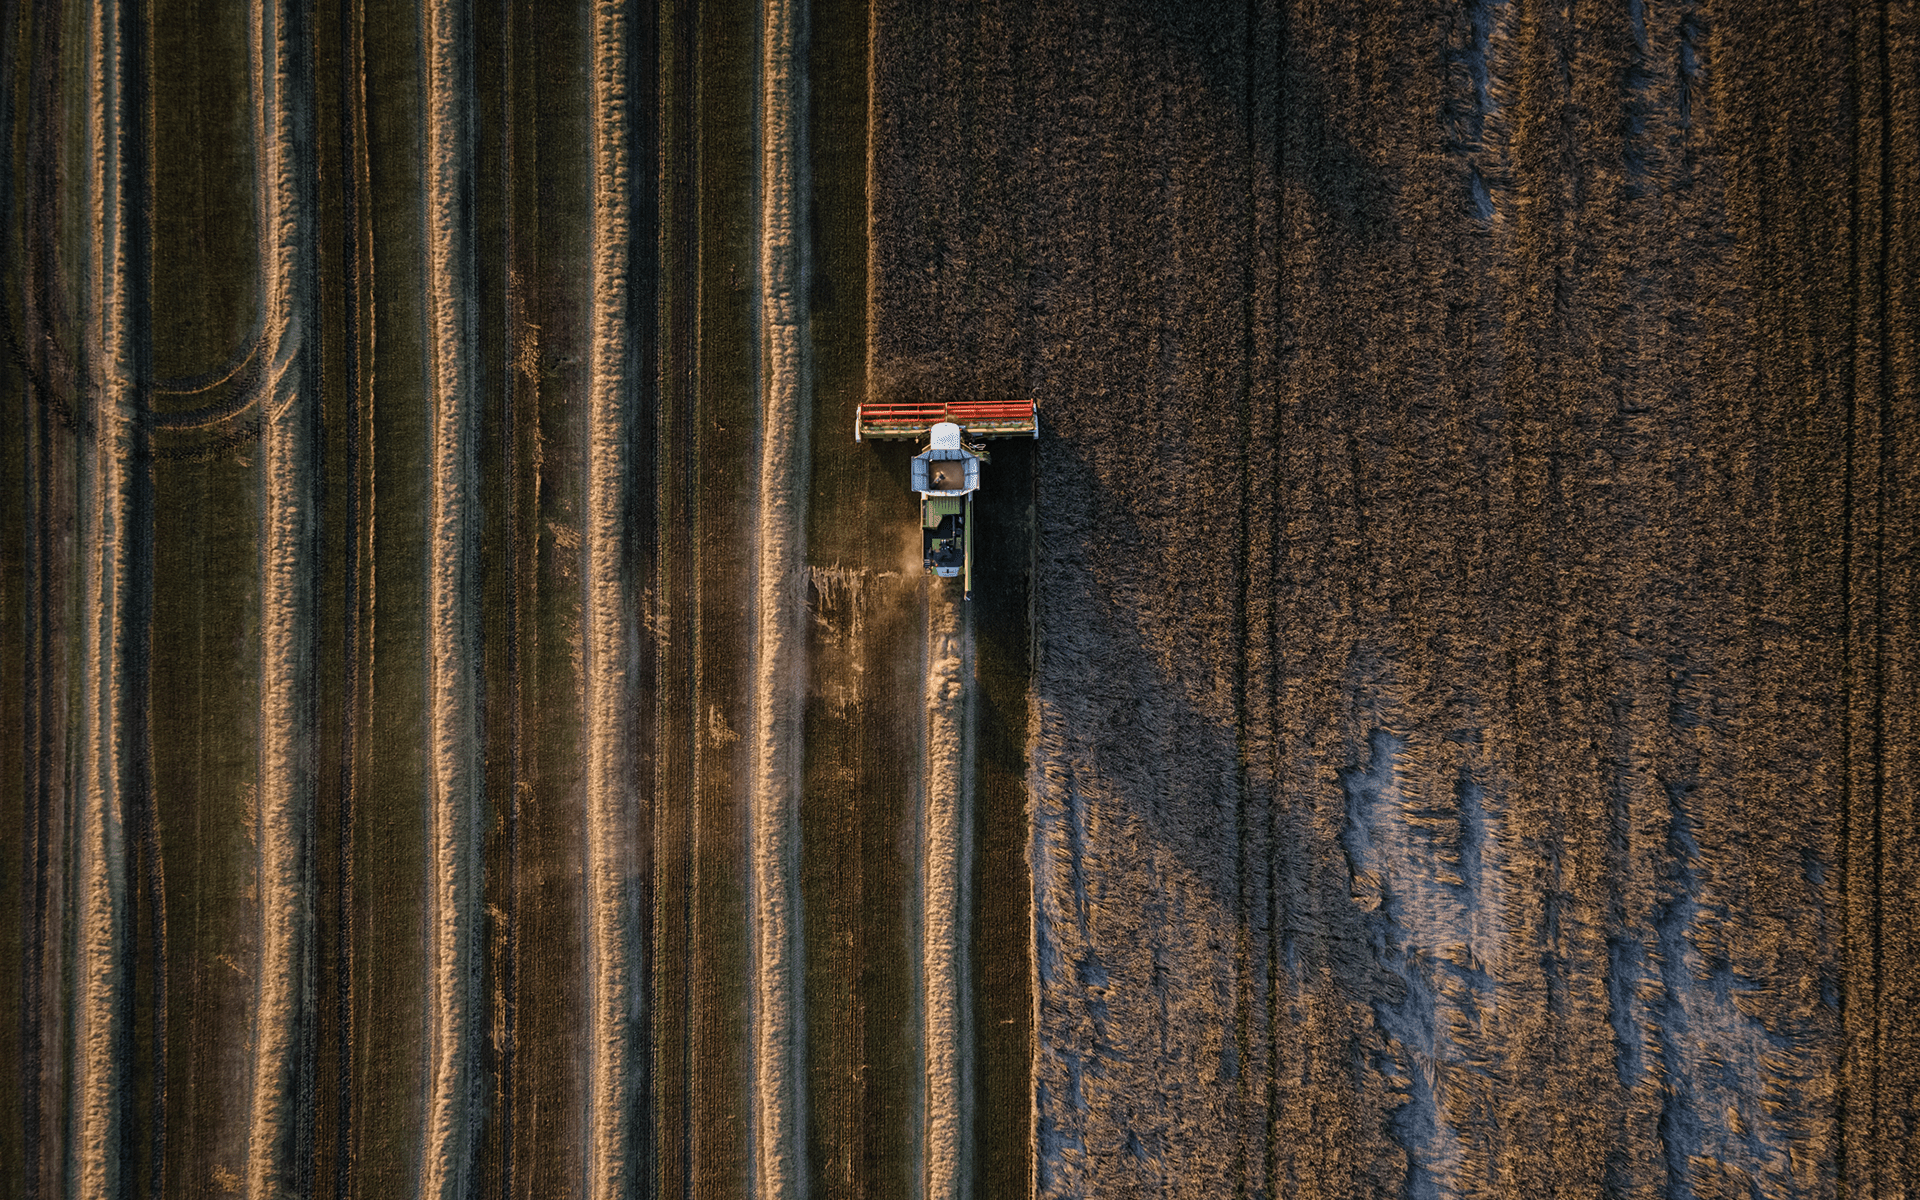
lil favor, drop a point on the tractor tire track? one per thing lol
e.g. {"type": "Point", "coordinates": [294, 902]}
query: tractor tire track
{"type": "Point", "coordinates": [1879, 1150]}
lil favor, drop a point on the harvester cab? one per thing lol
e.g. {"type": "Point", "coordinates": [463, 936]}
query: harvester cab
{"type": "Point", "coordinates": [946, 473]}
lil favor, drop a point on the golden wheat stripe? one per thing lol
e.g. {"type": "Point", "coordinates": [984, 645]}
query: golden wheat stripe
{"type": "Point", "coordinates": [455, 775]}
{"type": "Point", "coordinates": [779, 1126]}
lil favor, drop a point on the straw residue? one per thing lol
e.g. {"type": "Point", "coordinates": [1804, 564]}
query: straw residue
{"type": "Point", "coordinates": [607, 631]}
{"type": "Point", "coordinates": [945, 864]}
{"type": "Point", "coordinates": [779, 609]}
{"type": "Point", "coordinates": [453, 651]}
{"type": "Point", "coordinates": [100, 838]}
{"type": "Point", "coordinates": [286, 660]}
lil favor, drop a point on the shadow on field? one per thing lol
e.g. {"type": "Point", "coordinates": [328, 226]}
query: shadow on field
{"type": "Point", "coordinates": [1341, 910]}
{"type": "Point", "coordinates": [1113, 697]}
{"type": "Point", "coordinates": [1265, 75]}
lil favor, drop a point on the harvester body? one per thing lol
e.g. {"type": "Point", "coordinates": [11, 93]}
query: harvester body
{"type": "Point", "coordinates": [946, 472]}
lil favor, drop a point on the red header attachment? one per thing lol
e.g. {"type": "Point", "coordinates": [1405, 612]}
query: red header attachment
{"type": "Point", "coordinates": [980, 418]}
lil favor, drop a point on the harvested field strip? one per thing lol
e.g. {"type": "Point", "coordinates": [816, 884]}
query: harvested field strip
{"type": "Point", "coordinates": [676, 702]}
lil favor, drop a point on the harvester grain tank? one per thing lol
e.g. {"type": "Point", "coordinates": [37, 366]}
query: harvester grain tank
{"type": "Point", "coordinates": [946, 472]}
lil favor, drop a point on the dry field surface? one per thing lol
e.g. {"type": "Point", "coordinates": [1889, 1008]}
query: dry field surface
{"type": "Point", "coordinates": [1437, 718]}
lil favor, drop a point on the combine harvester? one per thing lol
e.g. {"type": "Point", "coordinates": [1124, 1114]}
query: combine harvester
{"type": "Point", "coordinates": [947, 472]}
